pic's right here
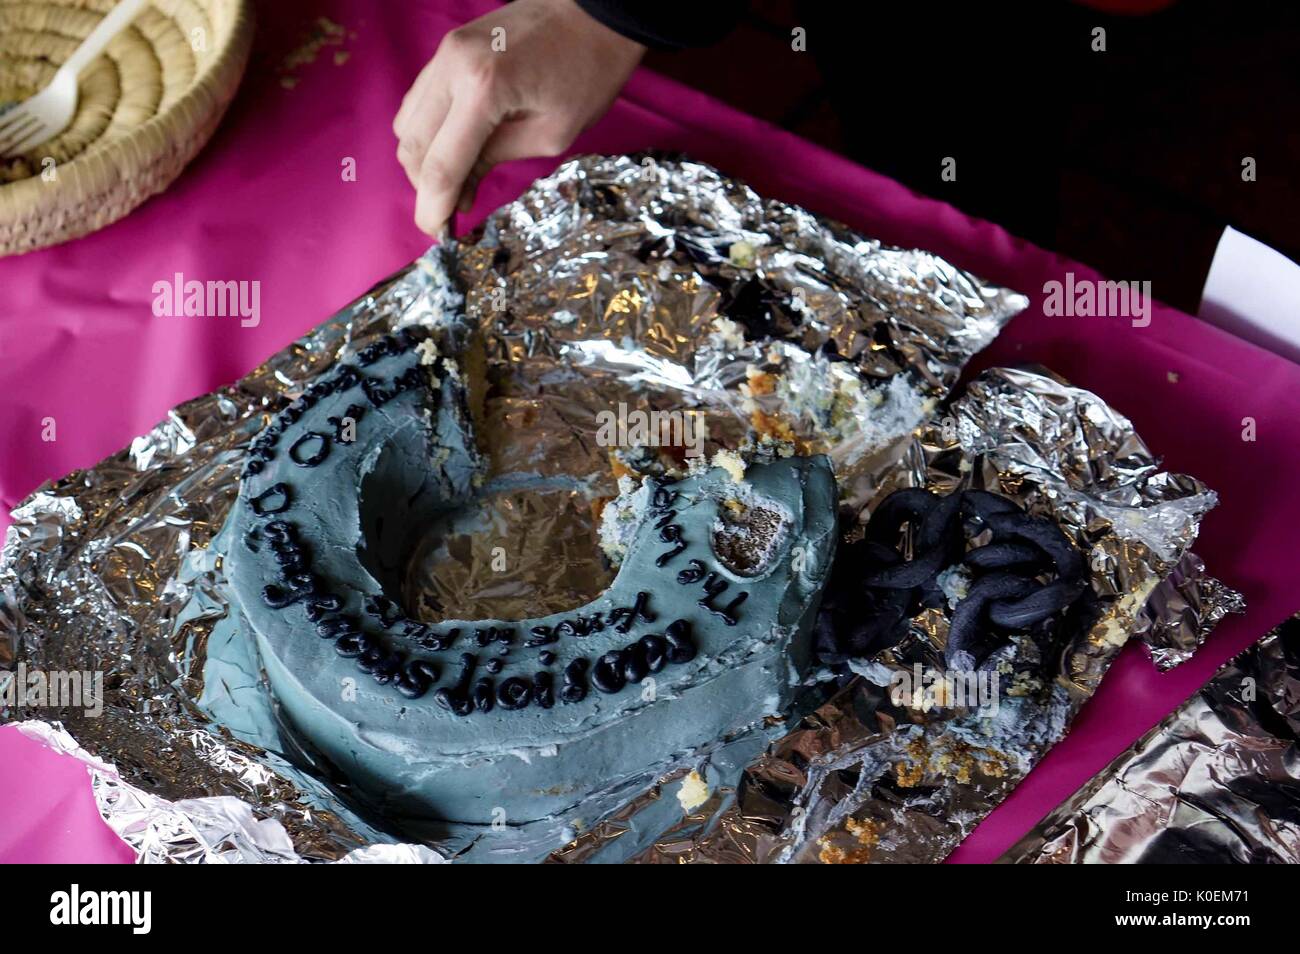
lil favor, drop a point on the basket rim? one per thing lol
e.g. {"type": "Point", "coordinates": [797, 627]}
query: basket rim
{"type": "Point", "coordinates": [99, 172]}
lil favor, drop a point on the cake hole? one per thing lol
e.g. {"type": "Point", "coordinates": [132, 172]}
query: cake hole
{"type": "Point", "coordinates": [510, 555]}
{"type": "Point", "coordinates": [748, 536]}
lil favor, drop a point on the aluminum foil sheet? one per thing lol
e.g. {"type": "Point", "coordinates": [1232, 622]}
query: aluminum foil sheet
{"type": "Point", "coordinates": [1182, 611]}
{"type": "Point", "coordinates": [653, 281]}
{"type": "Point", "coordinates": [1216, 782]}
{"type": "Point", "coordinates": [883, 772]}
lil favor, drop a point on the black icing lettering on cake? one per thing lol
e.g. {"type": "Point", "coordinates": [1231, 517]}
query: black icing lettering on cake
{"type": "Point", "coordinates": [346, 378]}
{"type": "Point", "coordinates": [544, 689]}
{"type": "Point", "coordinates": [380, 662]}
{"type": "Point", "coordinates": [607, 675]}
{"type": "Point", "coordinates": [377, 392]}
{"type": "Point", "coordinates": [416, 678]}
{"type": "Point", "coordinates": [713, 587]}
{"type": "Point", "coordinates": [663, 498]}
{"type": "Point", "coordinates": [415, 632]}
{"type": "Point", "coordinates": [514, 693]}
{"type": "Point", "coordinates": [278, 491]}
{"type": "Point", "coordinates": [318, 604]}
{"type": "Point", "coordinates": [338, 626]}
{"type": "Point", "coordinates": [661, 512]}
{"type": "Point", "coordinates": [635, 666]}
{"type": "Point", "coordinates": [353, 644]}
{"type": "Point", "coordinates": [484, 695]}
{"type": "Point", "coordinates": [693, 573]}
{"type": "Point", "coordinates": [456, 698]}
{"type": "Point", "coordinates": [541, 636]}
{"type": "Point", "coordinates": [654, 650]}
{"type": "Point", "coordinates": [575, 681]}
{"type": "Point", "coordinates": [623, 618]}
{"type": "Point", "coordinates": [681, 648]}
{"type": "Point", "coordinates": [383, 610]}
{"type": "Point", "coordinates": [301, 452]}
{"type": "Point", "coordinates": [440, 641]}
{"type": "Point", "coordinates": [670, 534]}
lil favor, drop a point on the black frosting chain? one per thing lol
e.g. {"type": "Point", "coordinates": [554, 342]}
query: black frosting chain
{"type": "Point", "coordinates": [1027, 575]}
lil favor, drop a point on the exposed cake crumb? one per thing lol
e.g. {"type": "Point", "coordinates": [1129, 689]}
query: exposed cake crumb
{"type": "Point", "coordinates": [742, 254]}
{"type": "Point", "coordinates": [955, 584]}
{"type": "Point", "coordinates": [620, 518]}
{"type": "Point", "coordinates": [727, 334]}
{"type": "Point", "coordinates": [732, 463]}
{"type": "Point", "coordinates": [428, 351]}
{"type": "Point", "coordinates": [693, 792]}
{"type": "Point", "coordinates": [758, 382]}
{"type": "Point", "coordinates": [772, 427]}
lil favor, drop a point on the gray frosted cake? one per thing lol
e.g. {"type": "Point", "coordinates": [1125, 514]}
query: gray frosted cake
{"type": "Point", "coordinates": [435, 723]}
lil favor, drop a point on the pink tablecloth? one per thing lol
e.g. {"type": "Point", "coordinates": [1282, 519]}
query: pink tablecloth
{"type": "Point", "coordinates": [266, 201]}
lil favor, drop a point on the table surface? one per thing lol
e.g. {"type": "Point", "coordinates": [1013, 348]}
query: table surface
{"type": "Point", "coordinates": [266, 201]}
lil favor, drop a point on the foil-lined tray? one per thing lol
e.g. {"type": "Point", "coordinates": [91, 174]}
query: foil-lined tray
{"type": "Point", "coordinates": [643, 280]}
{"type": "Point", "coordinates": [1215, 782]}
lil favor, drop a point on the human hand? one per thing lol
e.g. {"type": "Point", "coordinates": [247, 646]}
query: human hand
{"type": "Point", "coordinates": [521, 81]}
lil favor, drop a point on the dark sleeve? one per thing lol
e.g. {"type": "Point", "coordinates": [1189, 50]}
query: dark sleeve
{"type": "Point", "coordinates": [668, 24]}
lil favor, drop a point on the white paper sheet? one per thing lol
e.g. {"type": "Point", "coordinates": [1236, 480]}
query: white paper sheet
{"type": "Point", "coordinates": [1253, 291]}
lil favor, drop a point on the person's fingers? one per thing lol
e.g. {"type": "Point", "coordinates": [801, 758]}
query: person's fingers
{"type": "Point", "coordinates": [526, 138]}
{"type": "Point", "coordinates": [513, 139]}
{"type": "Point", "coordinates": [452, 154]}
{"type": "Point", "coordinates": [411, 101]}
{"type": "Point", "coordinates": [421, 131]}
{"type": "Point", "coordinates": [415, 130]}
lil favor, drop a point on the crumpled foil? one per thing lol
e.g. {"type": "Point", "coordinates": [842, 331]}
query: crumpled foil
{"type": "Point", "coordinates": [654, 281]}
{"type": "Point", "coordinates": [1182, 611]}
{"type": "Point", "coordinates": [1215, 782]}
{"type": "Point", "coordinates": [875, 775]}
{"type": "Point", "coordinates": [660, 284]}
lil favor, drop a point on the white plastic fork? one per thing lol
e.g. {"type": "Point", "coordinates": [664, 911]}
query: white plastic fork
{"type": "Point", "coordinates": [40, 118]}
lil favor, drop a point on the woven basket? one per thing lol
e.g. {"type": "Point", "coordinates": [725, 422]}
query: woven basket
{"type": "Point", "coordinates": [145, 108]}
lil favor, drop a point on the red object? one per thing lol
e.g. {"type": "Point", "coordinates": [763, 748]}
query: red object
{"type": "Point", "coordinates": [266, 201]}
{"type": "Point", "coordinates": [1128, 7]}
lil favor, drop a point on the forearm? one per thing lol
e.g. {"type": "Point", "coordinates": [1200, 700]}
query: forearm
{"type": "Point", "coordinates": [668, 24]}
